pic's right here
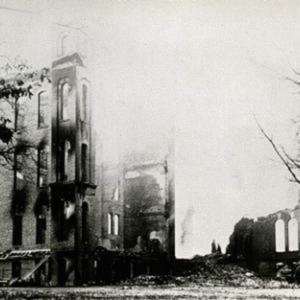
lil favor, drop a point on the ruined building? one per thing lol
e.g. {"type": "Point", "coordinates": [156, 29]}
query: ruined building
{"type": "Point", "coordinates": [268, 241]}
{"type": "Point", "coordinates": [70, 217]}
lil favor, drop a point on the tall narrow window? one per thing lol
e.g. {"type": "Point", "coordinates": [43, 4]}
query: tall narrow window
{"type": "Point", "coordinates": [17, 230]}
{"type": "Point", "coordinates": [21, 118]}
{"type": "Point", "coordinates": [84, 114]}
{"type": "Point", "coordinates": [42, 167]}
{"type": "Point", "coordinates": [62, 230]}
{"type": "Point", "coordinates": [85, 212]}
{"type": "Point", "coordinates": [116, 224]}
{"type": "Point", "coordinates": [41, 225]}
{"type": "Point", "coordinates": [109, 223]}
{"type": "Point", "coordinates": [20, 180]}
{"type": "Point", "coordinates": [84, 163]}
{"type": "Point", "coordinates": [64, 101]}
{"type": "Point", "coordinates": [65, 160]}
{"type": "Point", "coordinates": [116, 194]}
{"type": "Point", "coordinates": [280, 236]}
{"type": "Point", "coordinates": [42, 109]}
{"type": "Point", "coordinates": [293, 234]}
{"type": "Point", "coordinates": [19, 176]}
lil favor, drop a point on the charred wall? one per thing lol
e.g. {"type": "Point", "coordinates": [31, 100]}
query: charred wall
{"type": "Point", "coordinates": [262, 246]}
{"type": "Point", "coordinates": [145, 208]}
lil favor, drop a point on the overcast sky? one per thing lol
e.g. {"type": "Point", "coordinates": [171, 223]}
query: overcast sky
{"type": "Point", "coordinates": [207, 67]}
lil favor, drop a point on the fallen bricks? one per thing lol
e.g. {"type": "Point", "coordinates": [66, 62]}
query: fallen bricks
{"type": "Point", "coordinates": [210, 270]}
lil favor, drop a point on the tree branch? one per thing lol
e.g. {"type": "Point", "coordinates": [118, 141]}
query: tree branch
{"type": "Point", "coordinates": [286, 163]}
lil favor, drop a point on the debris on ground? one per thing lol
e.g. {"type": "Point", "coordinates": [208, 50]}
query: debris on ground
{"type": "Point", "coordinates": [209, 271]}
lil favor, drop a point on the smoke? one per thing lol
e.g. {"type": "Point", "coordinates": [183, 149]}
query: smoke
{"type": "Point", "coordinates": [186, 223]}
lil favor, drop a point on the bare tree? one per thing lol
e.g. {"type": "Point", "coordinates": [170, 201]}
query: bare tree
{"type": "Point", "coordinates": [292, 164]}
{"type": "Point", "coordinates": [17, 80]}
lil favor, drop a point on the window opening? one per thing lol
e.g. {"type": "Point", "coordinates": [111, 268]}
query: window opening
{"type": "Point", "coordinates": [116, 224]}
{"type": "Point", "coordinates": [109, 223]}
{"type": "Point", "coordinates": [293, 234]}
{"type": "Point", "coordinates": [280, 235]}
{"type": "Point", "coordinates": [17, 230]}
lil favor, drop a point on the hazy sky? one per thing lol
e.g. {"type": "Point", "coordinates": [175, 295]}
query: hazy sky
{"type": "Point", "coordinates": [207, 67]}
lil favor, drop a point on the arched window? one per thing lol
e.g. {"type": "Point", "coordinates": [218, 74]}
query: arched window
{"type": "Point", "coordinates": [293, 234]}
{"type": "Point", "coordinates": [116, 224]}
{"type": "Point", "coordinates": [64, 101]}
{"type": "Point", "coordinates": [84, 103]}
{"type": "Point", "coordinates": [84, 215]}
{"type": "Point", "coordinates": [84, 163]}
{"type": "Point", "coordinates": [109, 223]}
{"type": "Point", "coordinates": [279, 236]}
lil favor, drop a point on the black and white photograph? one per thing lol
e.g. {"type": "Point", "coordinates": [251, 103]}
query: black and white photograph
{"type": "Point", "coordinates": [149, 149]}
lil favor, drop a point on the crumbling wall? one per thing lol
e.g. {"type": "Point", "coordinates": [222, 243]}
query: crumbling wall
{"type": "Point", "coordinates": [112, 203]}
{"type": "Point", "coordinates": [240, 245]}
{"type": "Point", "coordinates": [145, 208]}
{"type": "Point", "coordinates": [255, 242]}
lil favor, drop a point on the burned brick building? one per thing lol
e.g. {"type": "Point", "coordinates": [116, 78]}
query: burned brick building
{"type": "Point", "coordinates": [268, 241]}
{"type": "Point", "coordinates": [70, 210]}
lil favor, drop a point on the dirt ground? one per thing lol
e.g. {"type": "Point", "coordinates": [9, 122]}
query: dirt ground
{"type": "Point", "coordinates": [153, 292]}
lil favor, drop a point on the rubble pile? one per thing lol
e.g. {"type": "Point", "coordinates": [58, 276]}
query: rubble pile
{"type": "Point", "coordinates": [210, 270]}
{"type": "Point", "coordinates": [216, 271]}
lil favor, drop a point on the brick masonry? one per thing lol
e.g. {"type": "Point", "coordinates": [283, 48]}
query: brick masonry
{"type": "Point", "coordinates": [107, 189]}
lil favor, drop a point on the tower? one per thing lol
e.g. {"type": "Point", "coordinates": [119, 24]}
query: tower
{"type": "Point", "coordinates": [72, 180]}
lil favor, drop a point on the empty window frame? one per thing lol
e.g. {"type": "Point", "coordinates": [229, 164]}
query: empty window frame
{"type": "Point", "coordinates": [293, 234]}
{"type": "Point", "coordinates": [116, 224]}
{"type": "Point", "coordinates": [19, 175]}
{"type": "Point", "coordinates": [84, 103]}
{"type": "Point", "coordinates": [19, 180]}
{"type": "Point", "coordinates": [109, 223]}
{"type": "Point", "coordinates": [279, 236]}
{"type": "Point", "coordinates": [116, 194]}
{"type": "Point", "coordinates": [62, 221]}
{"type": "Point", "coordinates": [64, 95]}
{"type": "Point", "coordinates": [21, 118]}
{"type": "Point", "coordinates": [42, 109]}
{"type": "Point", "coordinates": [42, 167]}
{"type": "Point", "coordinates": [41, 225]}
{"type": "Point", "coordinates": [84, 163]}
{"type": "Point", "coordinates": [64, 161]}
{"type": "Point", "coordinates": [17, 230]}
{"type": "Point", "coordinates": [84, 215]}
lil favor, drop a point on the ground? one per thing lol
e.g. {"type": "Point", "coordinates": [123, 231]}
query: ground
{"type": "Point", "coordinates": [153, 292]}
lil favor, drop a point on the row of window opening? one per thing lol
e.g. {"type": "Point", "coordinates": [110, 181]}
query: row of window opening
{"type": "Point", "coordinates": [292, 237]}
{"type": "Point", "coordinates": [41, 228]}
{"type": "Point", "coordinates": [64, 89]}
{"type": "Point", "coordinates": [64, 104]}
{"type": "Point", "coordinates": [42, 165]}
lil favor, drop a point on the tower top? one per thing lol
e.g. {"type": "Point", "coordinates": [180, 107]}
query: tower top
{"type": "Point", "coordinates": [69, 40]}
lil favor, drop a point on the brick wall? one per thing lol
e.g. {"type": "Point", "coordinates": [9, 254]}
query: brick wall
{"type": "Point", "coordinates": [111, 184]}
{"type": "Point", "coordinates": [36, 136]}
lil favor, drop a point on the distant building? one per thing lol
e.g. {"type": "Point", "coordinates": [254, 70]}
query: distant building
{"type": "Point", "coordinates": [267, 241]}
{"type": "Point", "coordinates": [70, 205]}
